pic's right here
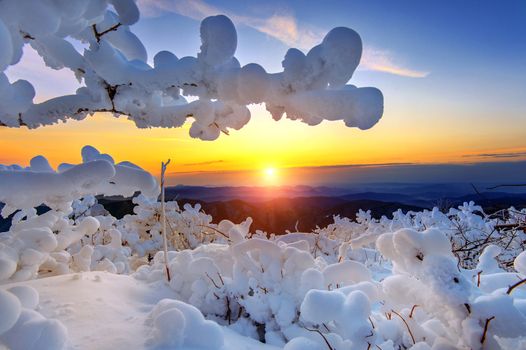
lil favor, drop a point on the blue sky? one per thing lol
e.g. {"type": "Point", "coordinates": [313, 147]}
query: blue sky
{"type": "Point", "coordinates": [470, 54]}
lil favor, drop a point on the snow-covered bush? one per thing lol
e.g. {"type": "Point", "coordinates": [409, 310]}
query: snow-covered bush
{"type": "Point", "coordinates": [400, 282]}
{"type": "Point", "coordinates": [61, 240]}
{"type": "Point", "coordinates": [24, 328]}
{"type": "Point", "coordinates": [422, 280]}
{"type": "Point", "coordinates": [176, 324]}
{"type": "Point", "coordinates": [187, 227]}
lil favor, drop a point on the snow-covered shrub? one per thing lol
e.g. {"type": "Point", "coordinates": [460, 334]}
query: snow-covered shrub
{"type": "Point", "coordinates": [468, 228]}
{"type": "Point", "coordinates": [61, 240]}
{"type": "Point", "coordinates": [24, 328]}
{"type": "Point", "coordinates": [421, 279]}
{"type": "Point", "coordinates": [176, 324]}
{"type": "Point", "coordinates": [187, 227]}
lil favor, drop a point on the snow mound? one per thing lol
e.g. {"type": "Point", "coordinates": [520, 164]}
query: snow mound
{"type": "Point", "coordinates": [177, 324]}
{"type": "Point", "coordinates": [23, 328]}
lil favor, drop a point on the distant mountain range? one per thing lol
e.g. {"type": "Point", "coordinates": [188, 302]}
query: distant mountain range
{"type": "Point", "coordinates": [419, 195]}
{"type": "Point", "coordinates": [277, 209]}
{"type": "Point", "coordinates": [300, 213]}
{"type": "Point", "coordinates": [303, 207]}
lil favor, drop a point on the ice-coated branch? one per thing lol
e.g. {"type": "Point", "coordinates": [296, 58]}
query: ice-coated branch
{"type": "Point", "coordinates": [117, 77]}
{"type": "Point", "coordinates": [163, 218]}
{"type": "Point", "coordinates": [25, 188]}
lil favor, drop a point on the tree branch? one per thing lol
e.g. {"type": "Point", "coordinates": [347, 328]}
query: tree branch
{"type": "Point", "coordinates": [512, 287]}
{"type": "Point", "coordinates": [99, 35]}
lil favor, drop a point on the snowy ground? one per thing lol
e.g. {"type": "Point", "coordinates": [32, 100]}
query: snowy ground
{"type": "Point", "coordinates": [76, 277]}
{"type": "Point", "coordinates": [107, 311]}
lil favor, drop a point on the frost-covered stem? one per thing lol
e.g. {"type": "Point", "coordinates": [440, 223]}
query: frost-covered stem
{"type": "Point", "coordinates": [163, 219]}
{"type": "Point", "coordinates": [216, 230]}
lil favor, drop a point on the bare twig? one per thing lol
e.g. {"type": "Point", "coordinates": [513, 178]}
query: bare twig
{"type": "Point", "coordinates": [212, 280]}
{"type": "Point", "coordinates": [408, 328]}
{"type": "Point", "coordinates": [99, 35]}
{"type": "Point", "coordinates": [477, 192]}
{"type": "Point", "coordinates": [413, 310]}
{"type": "Point", "coordinates": [486, 326]}
{"type": "Point", "coordinates": [512, 287]}
{"type": "Point", "coordinates": [323, 336]}
{"type": "Point", "coordinates": [216, 230]}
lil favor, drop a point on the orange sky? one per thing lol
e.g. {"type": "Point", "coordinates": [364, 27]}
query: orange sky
{"type": "Point", "coordinates": [264, 143]}
{"type": "Point", "coordinates": [458, 109]}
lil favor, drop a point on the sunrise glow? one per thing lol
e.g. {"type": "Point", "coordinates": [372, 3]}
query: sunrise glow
{"type": "Point", "coordinates": [270, 176]}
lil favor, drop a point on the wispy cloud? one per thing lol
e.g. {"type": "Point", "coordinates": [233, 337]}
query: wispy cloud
{"type": "Point", "coordinates": [283, 27]}
{"type": "Point", "coordinates": [205, 163]}
{"type": "Point", "coordinates": [365, 165]}
{"type": "Point", "coordinates": [505, 155]}
{"type": "Point", "coordinates": [384, 61]}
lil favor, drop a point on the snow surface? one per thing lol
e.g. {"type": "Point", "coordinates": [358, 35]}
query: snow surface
{"type": "Point", "coordinates": [101, 310]}
{"type": "Point", "coordinates": [76, 277]}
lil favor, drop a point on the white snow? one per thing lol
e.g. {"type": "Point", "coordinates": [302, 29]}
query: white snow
{"type": "Point", "coordinates": [106, 311]}
{"type": "Point", "coordinates": [75, 277]}
{"type": "Point", "coordinates": [25, 188]}
{"type": "Point", "coordinates": [117, 78]}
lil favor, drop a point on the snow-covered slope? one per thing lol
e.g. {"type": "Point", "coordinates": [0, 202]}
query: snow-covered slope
{"type": "Point", "coordinates": [76, 277]}
{"type": "Point", "coordinates": [101, 311]}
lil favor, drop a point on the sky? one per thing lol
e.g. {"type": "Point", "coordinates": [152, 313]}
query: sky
{"type": "Point", "coordinates": [453, 76]}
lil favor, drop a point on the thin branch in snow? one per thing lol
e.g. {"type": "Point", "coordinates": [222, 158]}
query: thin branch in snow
{"type": "Point", "coordinates": [99, 35]}
{"type": "Point", "coordinates": [512, 287]}
{"type": "Point", "coordinates": [407, 325]}
{"type": "Point", "coordinates": [163, 217]}
{"type": "Point", "coordinates": [486, 326]}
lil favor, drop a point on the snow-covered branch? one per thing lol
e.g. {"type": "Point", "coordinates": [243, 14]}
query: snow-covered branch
{"type": "Point", "coordinates": [117, 77]}
{"type": "Point", "coordinates": [26, 188]}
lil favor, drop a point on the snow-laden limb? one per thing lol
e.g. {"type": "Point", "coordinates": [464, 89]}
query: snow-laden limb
{"type": "Point", "coordinates": [25, 188]}
{"type": "Point", "coordinates": [117, 78]}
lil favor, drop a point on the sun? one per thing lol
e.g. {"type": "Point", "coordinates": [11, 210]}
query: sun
{"type": "Point", "coordinates": [270, 175]}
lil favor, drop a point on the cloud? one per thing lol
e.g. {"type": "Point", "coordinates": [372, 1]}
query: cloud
{"type": "Point", "coordinates": [401, 174]}
{"type": "Point", "coordinates": [205, 163]}
{"type": "Point", "coordinates": [283, 27]}
{"type": "Point", "coordinates": [383, 61]}
{"type": "Point", "coordinates": [506, 155]}
{"type": "Point", "coordinates": [365, 165]}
